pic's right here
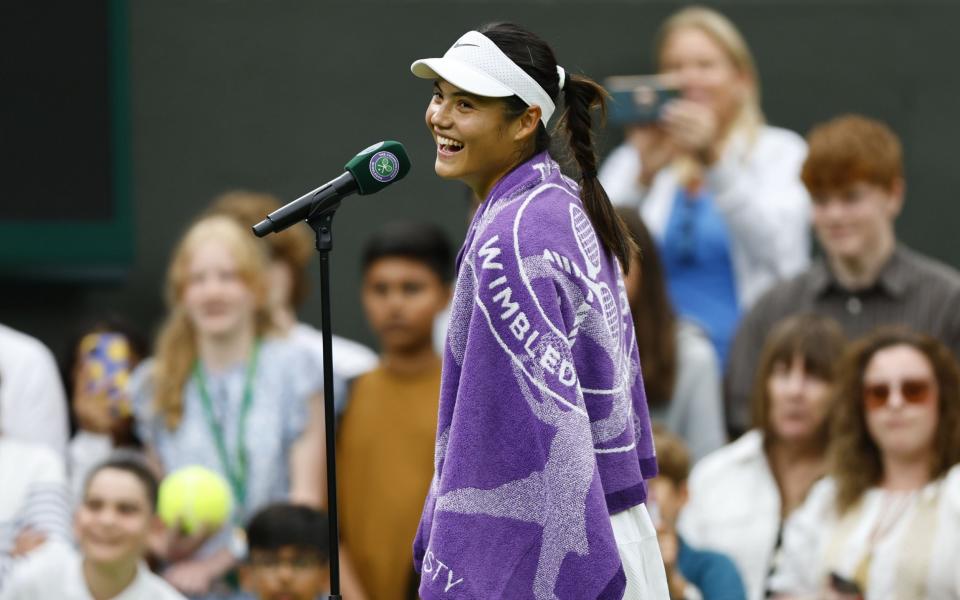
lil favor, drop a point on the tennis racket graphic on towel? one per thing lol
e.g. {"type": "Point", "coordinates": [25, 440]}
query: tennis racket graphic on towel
{"type": "Point", "coordinates": [589, 247]}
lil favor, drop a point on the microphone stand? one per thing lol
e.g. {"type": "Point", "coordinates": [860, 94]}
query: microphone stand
{"type": "Point", "coordinates": [321, 221]}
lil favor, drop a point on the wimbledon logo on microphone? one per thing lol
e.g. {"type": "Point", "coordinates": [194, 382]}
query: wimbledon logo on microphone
{"type": "Point", "coordinates": [384, 166]}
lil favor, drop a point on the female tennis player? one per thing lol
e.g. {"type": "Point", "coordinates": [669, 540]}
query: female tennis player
{"type": "Point", "coordinates": [543, 441]}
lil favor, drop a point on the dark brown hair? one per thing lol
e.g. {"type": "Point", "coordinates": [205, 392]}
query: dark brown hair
{"type": "Point", "coordinates": [855, 461]}
{"type": "Point", "coordinates": [580, 95]}
{"type": "Point", "coordinates": [293, 247]}
{"type": "Point", "coordinates": [134, 464]}
{"type": "Point", "coordinates": [420, 241]}
{"type": "Point", "coordinates": [849, 149]}
{"type": "Point", "coordinates": [278, 525]}
{"type": "Point", "coordinates": [654, 319]}
{"type": "Point", "coordinates": [819, 341]}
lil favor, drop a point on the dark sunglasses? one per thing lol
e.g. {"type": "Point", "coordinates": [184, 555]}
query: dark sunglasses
{"type": "Point", "coordinates": [913, 391]}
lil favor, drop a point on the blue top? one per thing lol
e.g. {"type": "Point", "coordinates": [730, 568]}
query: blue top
{"type": "Point", "coordinates": [285, 378]}
{"type": "Point", "coordinates": [712, 573]}
{"type": "Point", "coordinates": [696, 256]}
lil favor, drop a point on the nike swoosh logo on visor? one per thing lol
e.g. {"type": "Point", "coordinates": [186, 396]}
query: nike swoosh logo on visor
{"type": "Point", "coordinates": [460, 45]}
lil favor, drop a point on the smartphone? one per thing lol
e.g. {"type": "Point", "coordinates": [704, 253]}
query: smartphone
{"type": "Point", "coordinates": [842, 585]}
{"type": "Point", "coordinates": [106, 365]}
{"type": "Point", "coordinates": [638, 99]}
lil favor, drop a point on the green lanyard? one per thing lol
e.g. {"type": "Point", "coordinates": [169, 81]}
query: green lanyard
{"type": "Point", "coordinates": [236, 470]}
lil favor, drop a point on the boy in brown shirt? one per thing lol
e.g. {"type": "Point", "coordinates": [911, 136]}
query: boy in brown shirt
{"type": "Point", "coordinates": [386, 438]}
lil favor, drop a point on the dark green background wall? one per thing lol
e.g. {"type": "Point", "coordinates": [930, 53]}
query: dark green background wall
{"type": "Point", "coordinates": [278, 95]}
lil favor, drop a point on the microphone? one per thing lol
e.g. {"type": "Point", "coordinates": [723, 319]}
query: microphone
{"type": "Point", "coordinates": [371, 170]}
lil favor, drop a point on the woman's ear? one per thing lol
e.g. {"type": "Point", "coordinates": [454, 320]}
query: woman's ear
{"type": "Point", "coordinates": [527, 123]}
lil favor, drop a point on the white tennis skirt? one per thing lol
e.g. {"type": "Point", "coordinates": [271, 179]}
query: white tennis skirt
{"type": "Point", "coordinates": [640, 554]}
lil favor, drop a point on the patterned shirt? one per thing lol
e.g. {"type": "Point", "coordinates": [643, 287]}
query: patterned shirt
{"type": "Point", "coordinates": [285, 379]}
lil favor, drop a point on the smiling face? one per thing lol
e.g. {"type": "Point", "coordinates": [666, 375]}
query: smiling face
{"type": "Point", "coordinates": [401, 298]}
{"type": "Point", "coordinates": [115, 518]}
{"type": "Point", "coordinates": [903, 426]}
{"type": "Point", "coordinates": [799, 401]}
{"type": "Point", "coordinates": [476, 143]}
{"type": "Point", "coordinates": [856, 222]}
{"type": "Point", "coordinates": [217, 299]}
{"type": "Point", "coordinates": [705, 72]}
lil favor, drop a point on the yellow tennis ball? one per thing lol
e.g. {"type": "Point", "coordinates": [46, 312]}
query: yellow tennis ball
{"type": "Point", "coordinates": [194, 497]}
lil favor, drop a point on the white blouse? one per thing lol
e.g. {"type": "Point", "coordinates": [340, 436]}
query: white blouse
{"type": "Point", "coordinates": [908, 543]}
{"type": "Point", "coordinates": [56, 571]}
{"type": "Point", "coordinates": [757, 188]}
{"type": "Point", "coordinates": [734, 509]}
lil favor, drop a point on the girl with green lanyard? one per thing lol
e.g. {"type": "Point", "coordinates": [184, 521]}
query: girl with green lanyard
{"type": "Point", "coordinates": [222, 393]}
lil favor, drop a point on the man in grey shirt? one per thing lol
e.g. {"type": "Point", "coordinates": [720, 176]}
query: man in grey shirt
{"type": "Point", "coordinates": [854, 173]}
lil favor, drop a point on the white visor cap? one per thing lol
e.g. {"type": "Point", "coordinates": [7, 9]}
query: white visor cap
{"type": "Point", "coordinates": [476, 65]}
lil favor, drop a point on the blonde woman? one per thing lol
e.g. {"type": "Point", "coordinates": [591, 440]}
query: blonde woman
{"type": "Point", "coordinates": [220, 392]}
{"type": "Point", "coordinates": [718, 188]}
{"type": "Point", "coordinates": [886, 523]}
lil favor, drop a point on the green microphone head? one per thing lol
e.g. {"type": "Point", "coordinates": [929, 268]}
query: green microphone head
{"type": "Point", "coordinates": [378, 166]}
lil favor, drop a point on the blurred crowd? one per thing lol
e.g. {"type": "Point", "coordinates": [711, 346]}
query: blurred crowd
{"type": "Point", "coordinates": [807, 407]}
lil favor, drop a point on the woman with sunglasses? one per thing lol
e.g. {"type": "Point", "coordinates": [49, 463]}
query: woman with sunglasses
{"type": "Point", "coordinates": [886, 523]}
{"type": "Point", "coordinates": [543, 440]}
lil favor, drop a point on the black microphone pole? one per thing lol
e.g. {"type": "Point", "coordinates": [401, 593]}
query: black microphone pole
{"type": "Point", "coordinates": [368, 172]}
{"type": "Point", "coordinates": [321, 221]}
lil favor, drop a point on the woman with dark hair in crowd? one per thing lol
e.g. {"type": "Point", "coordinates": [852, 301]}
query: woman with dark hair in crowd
{"type": "Point", "coordinates": [96, 369]}
{"type": "Point", "coordinates": [543, 441]}
{"type": "Point", "coordinates": [221, 391]}
{"type": "Point", "coordinates": [886, 523]}
{"type": "Point", "coordinates": [718, 188]}
{"type": "Point", "coordinates": [741, 494]}
{"type": "Point", "coordinates": [680, 371]}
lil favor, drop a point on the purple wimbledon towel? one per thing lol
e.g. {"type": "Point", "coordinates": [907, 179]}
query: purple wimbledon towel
{"type": "Point", "coordinates": [543, 429]}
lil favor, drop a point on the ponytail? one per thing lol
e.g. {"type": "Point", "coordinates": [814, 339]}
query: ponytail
{"type": "Point", "coordinates": [581, 95]}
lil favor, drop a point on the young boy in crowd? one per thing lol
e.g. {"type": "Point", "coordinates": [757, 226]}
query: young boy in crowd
{"type": "Point", "coordinates": [386, 439]}
{"type": "Point", "coordinates": [691, 574]}
{"type": "Point", "coordinates": [112, 526]}
{"type": "Point", "coordinates": [287, 553]}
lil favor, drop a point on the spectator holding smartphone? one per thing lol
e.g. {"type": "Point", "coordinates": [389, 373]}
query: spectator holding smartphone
{"type": "Point", "coordinates": [886, 522]}
{"type": "Point", "coordinates": [96, 370]}
{"type": "Point", "coordinates": [718, 188]}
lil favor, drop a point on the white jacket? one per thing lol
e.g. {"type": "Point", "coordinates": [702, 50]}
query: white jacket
{"type": "Point", "coordinates": [756, 187]}
{"type": "Point", "coordinates": [734, 509]}
{"type": "Point", "coordinates": [913, 539]}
